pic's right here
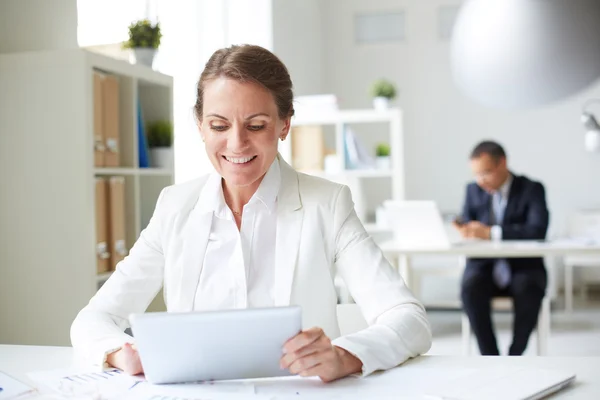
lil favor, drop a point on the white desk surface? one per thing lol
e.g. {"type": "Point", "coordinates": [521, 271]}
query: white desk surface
{"type": "Point", "coordinates": [402, 381]}
{"type": "Point", "coordinates": [490, 249]}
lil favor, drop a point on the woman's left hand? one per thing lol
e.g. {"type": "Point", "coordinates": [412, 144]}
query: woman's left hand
{"type": "Point", "coordinates": [310, 353]}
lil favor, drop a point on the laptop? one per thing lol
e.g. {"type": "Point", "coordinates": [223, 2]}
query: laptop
{"type": "Point", "coordinates": [418, 224]}
{"type": "Point", "coordinates": [503, 383]}
{"type": "Point", "coordinates": [216, 345]}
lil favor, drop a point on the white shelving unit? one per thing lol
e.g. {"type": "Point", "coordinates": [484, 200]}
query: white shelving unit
{"type": "Point", "coordinates": [47, 203]}
{"type": "Point", "coordinates": [133, 171]}
{"type": "Point", "coordinates": [355, 178]}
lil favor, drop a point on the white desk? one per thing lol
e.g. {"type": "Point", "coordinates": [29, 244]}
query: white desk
{"type": "Point", "coordinates": [403, 381]}
{"type": "Point", "coordinates": [401, 256]}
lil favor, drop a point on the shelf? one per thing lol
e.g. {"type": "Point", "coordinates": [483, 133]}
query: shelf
{"type": "Point", "coordinates": [103, 277]}
{"type": "Point", "coordinates": [155, 172]}
{"type": "Point", "coordinates": [347, 117]}
{"type": "Point", "coordinates": [133, 171]}
{"type": "Point", "coordinates": [146, 75]}
{"type": "Point", "coordinates": [358, 173]}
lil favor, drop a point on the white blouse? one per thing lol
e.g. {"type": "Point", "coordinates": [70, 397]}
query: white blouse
{"type": "Point", "coordinates": [239, 266]}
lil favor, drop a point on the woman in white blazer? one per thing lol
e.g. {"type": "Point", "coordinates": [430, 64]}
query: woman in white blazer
{"type": "Point", "coordinates": [256, 233]}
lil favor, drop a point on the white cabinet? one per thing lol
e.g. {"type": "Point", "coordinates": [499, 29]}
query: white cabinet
{"type": "Point", "coordinates": [47, 176]}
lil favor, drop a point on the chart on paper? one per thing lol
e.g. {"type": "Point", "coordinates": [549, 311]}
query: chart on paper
{"type": "Point", "coordinates": [114, 384]}
{"type": "Point", "coordinates": [108, 384]}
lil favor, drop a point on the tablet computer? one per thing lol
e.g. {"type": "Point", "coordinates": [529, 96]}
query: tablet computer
{"type": "Point", "coordinates": [215, 345]}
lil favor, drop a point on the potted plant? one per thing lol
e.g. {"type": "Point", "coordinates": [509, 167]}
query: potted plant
{"type": "Point", "coordinates": [382, 91]}
{"type": "Point", "coordinates": [160, 141]}
{"type": "Point", "coordinates": [383, 156]}
{"type": "Point", "coordinates": [144, 39]}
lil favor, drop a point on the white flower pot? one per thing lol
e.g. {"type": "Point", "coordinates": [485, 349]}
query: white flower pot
{"type": "Point", "coordinates": [144, 56]}
{"type": "Point", "coordinates": [383, 163]}
{"type": "Point", "coordinates": [381, 103]}
{"type": "Point", "coordinates": [161, 157]}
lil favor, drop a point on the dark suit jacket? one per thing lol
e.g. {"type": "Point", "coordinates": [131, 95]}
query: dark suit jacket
{"type": "Point", "coordinates": [526, 217]}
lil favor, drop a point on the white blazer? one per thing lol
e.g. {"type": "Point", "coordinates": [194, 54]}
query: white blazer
{"type": "Point", "coordinates": [318, 235]}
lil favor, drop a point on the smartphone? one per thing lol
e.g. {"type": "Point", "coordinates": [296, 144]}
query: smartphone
{"type": "Point", "coordinates": [459, 221]}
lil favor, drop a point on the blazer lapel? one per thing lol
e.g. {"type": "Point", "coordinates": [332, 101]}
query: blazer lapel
{"type": "Point", "coordinates": [513, 195]}
{"type": "Point", "coordinates": [289, 228]}
{"type": "Point", "coordinates": [485, 216]}
{"type": "Point", "coordinates": [195, 240]}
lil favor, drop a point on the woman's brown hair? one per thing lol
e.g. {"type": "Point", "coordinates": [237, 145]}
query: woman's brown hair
{"type": "Point", "coordinates": [249, 63]}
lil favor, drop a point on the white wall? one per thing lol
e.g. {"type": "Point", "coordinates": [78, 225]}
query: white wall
{"type": "Point", "coordinates": [27, 25]}
{"type": "Point", "coordinates": [298, 40]}
{"type": "Point", "coordinates": [249, 22]}
{"type": "Point", "coordinates": [441, 125]}
{"type": "Point", "coordinates": [107, 21]}
{"type": "Point", "coordinates": [192, 30]}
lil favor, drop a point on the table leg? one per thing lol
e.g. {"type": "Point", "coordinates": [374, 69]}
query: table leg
{"type": "Point", "coordinates": [569, 288]}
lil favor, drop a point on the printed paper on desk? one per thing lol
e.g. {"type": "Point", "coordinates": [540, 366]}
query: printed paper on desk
{"type": "Point", "coordinates": [200, 391]}
{"type": "Point", "coordinates": [203, 390]}
{"type": "Point", "coordinates": [109, 384]}
{"type": "Point", "coordinates": [114, 384]}
{"type": "Point", "coordinates": [11, 388]}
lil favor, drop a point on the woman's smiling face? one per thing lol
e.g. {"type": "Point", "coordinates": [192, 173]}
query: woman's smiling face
{"type": "Point", "coordinates": [241, 126]}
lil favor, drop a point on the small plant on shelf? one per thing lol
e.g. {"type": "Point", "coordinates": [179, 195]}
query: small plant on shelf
{"type": "Point", "coordinates": [160, 142]}
{"type": "Point", "coordinates": [142, 34]}
{"type": "Point", "coordinates": [383, 88]}
{"type": "Point", "coordinates": [382, 150]}
{"type": "Point", "coordinates": [382, 91]}
{"type": "Point", "coordinates": [160, 134]}
{"type": "Point", "coordinates": [144, 39]}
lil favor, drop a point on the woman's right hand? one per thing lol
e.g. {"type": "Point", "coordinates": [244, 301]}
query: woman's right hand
{"type": "Point", "coordinates": [126, 359]}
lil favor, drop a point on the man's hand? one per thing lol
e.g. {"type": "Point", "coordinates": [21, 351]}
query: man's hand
{"type": "Point", "coordinates": [126, 359]}
{"type": "Point", "coordinates": [460, 227]}
{"type": "Point", "coordinates": [310, 353]}
{"type": "Point", "coordinates": [476, 230]}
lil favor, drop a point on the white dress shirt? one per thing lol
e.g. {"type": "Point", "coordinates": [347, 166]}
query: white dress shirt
{"type": "Point", "coordinates": [239, 265]}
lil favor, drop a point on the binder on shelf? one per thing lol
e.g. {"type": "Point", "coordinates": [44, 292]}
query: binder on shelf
{"type": "Point", "coordinates": [117, 247]}
{"type": "Point", "coordinates": [356, 156]}
{"type": "Point", "coordinates": [143, 151]}
{"type": "Point", "coordinates": [110, 103]}
{"type": "Point", "coordinates": [308, 148]}
{"type": "Point", "coordinates": [99, 146]}
{"type": "Point", "coordinates": [102, 254]}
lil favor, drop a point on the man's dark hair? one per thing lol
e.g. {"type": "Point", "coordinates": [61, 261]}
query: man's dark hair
{"type": "Point", "coordinates": [488, 147]}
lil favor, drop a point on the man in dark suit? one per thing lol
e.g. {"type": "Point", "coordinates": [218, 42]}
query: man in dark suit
{"type": "Point", "coordinates": [502, 206]}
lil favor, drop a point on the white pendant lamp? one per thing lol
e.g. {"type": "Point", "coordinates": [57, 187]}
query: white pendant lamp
{"type": "Point", "coordinates": [525, 53]}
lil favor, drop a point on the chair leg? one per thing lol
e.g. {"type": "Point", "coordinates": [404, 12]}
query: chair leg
{"type": "Point", "coordinates": [466, 335]}
{"type": "Point", "coordinates": [569, 288]}
{"type": "Point", "coordinates": [543, 328]}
